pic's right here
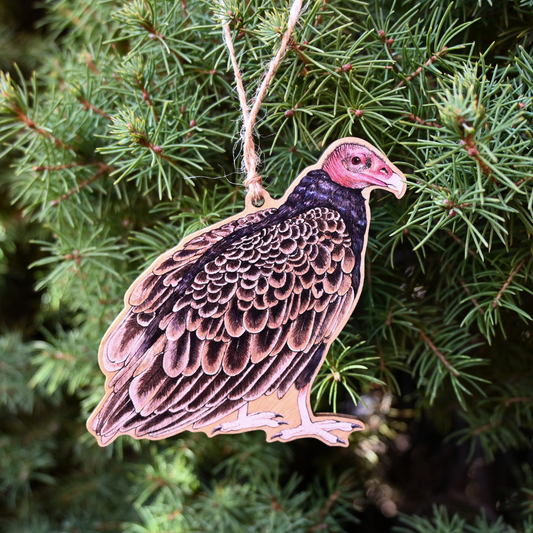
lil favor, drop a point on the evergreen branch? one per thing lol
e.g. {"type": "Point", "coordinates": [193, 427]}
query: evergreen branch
{"type": "Point", "coordinates": [422, 122]}
{"type": "Point", "coordinates": [509, 280]}
{"type": "Point", "coordinates": [104, 169]}
{"type": "Point", "coordinates": [88, 105]}
{"type": "Point", "coordinates": [157, 150]}
{"type": "Point", "coordinates": [91, 65]}
{"type": "Point", "coordinates": [331, 500]}
{"type": "Point", "coordinates": [142, 15]}
{"type": "Point", "coordinates": [439, 188]}
{"type": "Point", "coordinates": [472, 150]}
{"type": "Point", "coordinates": [459, 241]}
{"type": "Point", "coordinates": [388, 42]}
{"type": "Point", "coordinates": [297, 49]}
{"type": "Point", "coordinates": [510, 401]}
{"type": "Point", "coordinates": [480, 309]}
{"type": "Point", "coordinates": [467, 121]}
{"type": "Point", "coordinates": [147, 98]}
{"type": "Point", "coordinates": [523, 180]}
{"type": "Point", "coordinates": [418, 71]}
{"type": "Point", "coordinates": [435, 350]}
{"type": "Point", "coordinates": [30, 124]}
{"type": "Point", "coordinates": [320, 16]}
{"type": "Point", "coordinates": [184, 9]}
{"type": "Point", "coordinates": [66, 166]}
{"type": "Point", "coordinates": [482, 429]}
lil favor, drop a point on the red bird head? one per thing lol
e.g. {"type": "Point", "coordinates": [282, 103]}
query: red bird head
{"type": "Point", "coordinates": [358, 165]}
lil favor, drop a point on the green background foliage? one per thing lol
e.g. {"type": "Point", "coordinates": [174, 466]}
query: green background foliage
{"type": "Point", "coordinates": [126, 139]}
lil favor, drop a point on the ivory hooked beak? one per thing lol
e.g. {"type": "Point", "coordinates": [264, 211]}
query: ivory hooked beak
{"type": "Point", "coordinates": [396, 184]}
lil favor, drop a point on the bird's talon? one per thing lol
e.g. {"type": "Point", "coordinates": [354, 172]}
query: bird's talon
{"type": "Point", "coordinates": [281, 422]}
{"type": "Point", "coordinates": [340, 441]}
{"type": "Point", "coordinates": [218, 428]}
{"type": "Point", "coordinates": [277, 415]}
{"type": "Point", "coordinates": [276, 435]}
{"type": "Point", "coordinates": [356, 426]}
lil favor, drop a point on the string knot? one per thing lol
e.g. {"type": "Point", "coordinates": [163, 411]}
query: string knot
{"type": "Point", "coordinates": [254, 187]}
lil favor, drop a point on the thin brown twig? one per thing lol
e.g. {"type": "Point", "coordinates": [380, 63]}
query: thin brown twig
{"type": "Point", "coordinates": [480, 309]}
{"type": "Point", "coordinates": [42, 168]}
{"type": "Point", "coordinates": [471, 148]}
{"type": "Point", "coordinates": [439, 188]}
{"type": "Point", "coordinates": [33, 126]}
{"type": "Point", "coordinates": [520, 182]}
{"type": "Point", "coordinates": [59, 144]}
{"type": "Point", "coordinates": [417, 72]}
{"type": "Point", "coordinates": [324, 512]}
{"type": "Point", "coordinates": [509, 401]}
{"type": "Point", "coordinates": [91, 65]}
{"type": "Point", "coordinates": [88, 105]}
{"type": "Point", "coordinates": [482, 429]}
{"type": "Point", "coordinates": [496, 301]}
{"type": "Point", "coordinates": [435, 350]}
{"type": "Point", "coordinates": [331, 500]}
{"type": "Point", "coordinates": [387, 41]}
{"type": "Point", "coordinates": [156, 149]}
{"type": "Point", "coordinates": [422, 122]}
{"type": "Point", "coordinates": [459, 241]}
{"type": "Point", "coordinates": [210, 72]}
{"type": "Point", "coordinates": [148, 99]}
{"type": "Point", "coordinates": [153, 33]}
{"type": "Point", "coordinates": [297, 49]}
{"type": "Point", "coordinates": [103, 169]}
{"type": "Point", "coordinates": [319, 17]}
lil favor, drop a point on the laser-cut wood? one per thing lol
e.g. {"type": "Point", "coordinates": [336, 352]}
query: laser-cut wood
{"type": "Point", "coordinates": [227, 331]}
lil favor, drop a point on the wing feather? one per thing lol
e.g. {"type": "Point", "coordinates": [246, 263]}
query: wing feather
{"type": "Point", "coordinates": [213, 353]}
{"type": "Point", "coordinates": [176, 355]}
{"type": "Point", "coordinates": [301, 330]}
{"type": "Point", "coordinates": [269, 382]}
{"type": "Point", "coordinates": [244, 386]}
{"type": "Point", "coordinates": [195, 349]}
{"type": "Point", "coordinates": [215, 386]}
{"type": "Point", "coordinates": [237, 354]}
{"type": "Point", "coordinates": [251, 320]}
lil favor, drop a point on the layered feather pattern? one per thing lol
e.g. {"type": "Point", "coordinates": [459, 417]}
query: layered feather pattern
{"type": "Point", "coordinates": [230, 317]}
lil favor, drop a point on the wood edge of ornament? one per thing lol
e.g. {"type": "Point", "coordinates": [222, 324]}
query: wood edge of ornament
{"type": "Point", "coordinates": [292, 414]}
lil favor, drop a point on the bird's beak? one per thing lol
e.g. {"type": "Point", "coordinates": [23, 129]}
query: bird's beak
{"type": "Point", "coordinates": [397, 185]}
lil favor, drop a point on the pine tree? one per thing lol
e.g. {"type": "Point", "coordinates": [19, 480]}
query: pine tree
{"type": "Point", "coordinates": [123, 142]}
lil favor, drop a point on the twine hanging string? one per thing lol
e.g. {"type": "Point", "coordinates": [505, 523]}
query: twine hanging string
{"type": "Point", "coordinates": [253, 181]}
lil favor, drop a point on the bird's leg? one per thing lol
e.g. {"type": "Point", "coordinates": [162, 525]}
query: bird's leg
{"type": "Point", "coordinates": [320, 427]}
{"type": "Point", "coordinates": [247, 421]}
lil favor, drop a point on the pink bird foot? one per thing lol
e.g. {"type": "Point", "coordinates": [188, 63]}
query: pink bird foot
{"type": "Point", "coordinates": [247, 421]}
{"type": "Point", "coordinates": [321, 430]}
{"type": "Point", "coordinates": [319, 427]}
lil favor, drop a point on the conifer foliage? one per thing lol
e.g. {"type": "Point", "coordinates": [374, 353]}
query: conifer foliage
{"type": "Point", "coordinates": [125, 140]}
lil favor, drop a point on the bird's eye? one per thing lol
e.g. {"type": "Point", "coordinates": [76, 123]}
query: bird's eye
{"type": "Point", "coordinates": [356, 161]}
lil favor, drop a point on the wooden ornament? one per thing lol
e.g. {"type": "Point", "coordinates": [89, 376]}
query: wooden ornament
{"type": "Point", "coordinates": [226, 332]}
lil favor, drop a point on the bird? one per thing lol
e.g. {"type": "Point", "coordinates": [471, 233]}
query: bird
{"type": "Point", "coordinates": [226, 332]}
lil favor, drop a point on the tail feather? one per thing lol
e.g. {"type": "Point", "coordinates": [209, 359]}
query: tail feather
{"type": "Point", "coordinates": [117, 410]}
{"type": "Point", "coordinates": [224, 409]}
{"type": "Point", "coordinates": [169, 425]}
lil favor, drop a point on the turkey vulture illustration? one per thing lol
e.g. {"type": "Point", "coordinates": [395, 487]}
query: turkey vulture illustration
{"type": "Point", "coordinates": [226, 332]}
